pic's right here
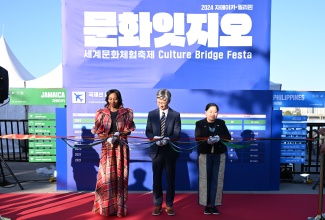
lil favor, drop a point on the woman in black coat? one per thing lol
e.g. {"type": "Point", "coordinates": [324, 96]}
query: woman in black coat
{"type": "Point", "coordinates": [211, 158]}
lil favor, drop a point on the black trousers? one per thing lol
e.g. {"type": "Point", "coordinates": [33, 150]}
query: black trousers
{"type": "Point", "coordinates": [164, 161]}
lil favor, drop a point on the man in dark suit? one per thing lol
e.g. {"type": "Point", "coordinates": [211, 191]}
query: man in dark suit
{"type": "Point", "coordinates": [163, 125]}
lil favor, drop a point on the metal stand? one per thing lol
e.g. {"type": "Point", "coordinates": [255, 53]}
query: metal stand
{"type": "Point", "coordinates": [4, 181]}
{"type": "Point", "coordinates": [320, 189]}
{"type": "Point", "coordinates": [316, 184]}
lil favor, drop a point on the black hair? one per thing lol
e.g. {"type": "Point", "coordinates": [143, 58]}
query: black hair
{"type": "Point", "coordinates": [118, 94]}
{"type": "Point", "coordinates": [211, 104]}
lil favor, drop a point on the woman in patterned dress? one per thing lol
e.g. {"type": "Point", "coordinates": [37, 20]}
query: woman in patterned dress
{"type": "Point", "coordinates": [115, 122]}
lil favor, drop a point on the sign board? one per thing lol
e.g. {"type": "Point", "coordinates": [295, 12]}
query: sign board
{"type": "Point", "coordinates": [32, 96]}
{"type": "Point", "coordinates": [298, 99]}
{"type": "Point", "coordinates": [42, 149]}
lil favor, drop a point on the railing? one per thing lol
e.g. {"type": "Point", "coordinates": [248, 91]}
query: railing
{"type": "Point", "coordinates": [12, 149]}
{"type": "Point", "coordinates": [312, 162]}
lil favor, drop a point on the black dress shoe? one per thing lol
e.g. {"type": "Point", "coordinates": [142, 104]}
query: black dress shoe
{"type": "Point", "coordinates": [215, 211]}
{"type": "Point", "coordinates": [207, 210]}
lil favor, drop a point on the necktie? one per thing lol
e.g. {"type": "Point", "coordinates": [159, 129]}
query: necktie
{"type": "Point", "coordinates": [162, 124]}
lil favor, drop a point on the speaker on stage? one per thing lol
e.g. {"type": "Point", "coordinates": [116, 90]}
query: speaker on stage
{"type": "Point", "coordinates": [4, 84]}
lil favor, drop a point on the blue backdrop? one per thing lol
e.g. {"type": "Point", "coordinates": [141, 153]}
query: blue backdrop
{"type": "Point", "coordinates": [247, 113]}
{"type": "Point", "coordinates": [203, 51]}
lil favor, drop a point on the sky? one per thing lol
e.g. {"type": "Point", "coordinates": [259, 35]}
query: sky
{"type": "Point", "coordinates": [33, 31]}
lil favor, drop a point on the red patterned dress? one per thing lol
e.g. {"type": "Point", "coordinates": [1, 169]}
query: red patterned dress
{"type": "Point", "coordinates": [111, 192]}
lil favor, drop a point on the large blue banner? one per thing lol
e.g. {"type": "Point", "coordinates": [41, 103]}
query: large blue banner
{"type": "Point", "coordinates": [180, 44]}
{"type": "Point", "coordinates": [203, 51]}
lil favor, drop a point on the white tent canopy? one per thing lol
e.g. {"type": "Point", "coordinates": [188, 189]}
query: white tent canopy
{"type": "Point", "coordinates": [51, 80]}
{"type": "Point", "coordinates": [19, 77]}
{"type": "Point", "coordinates": [16, 71]}
{"type": "Point", "coordinates": [275, 86]}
